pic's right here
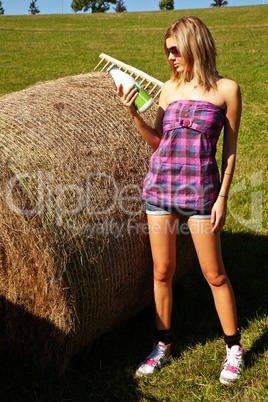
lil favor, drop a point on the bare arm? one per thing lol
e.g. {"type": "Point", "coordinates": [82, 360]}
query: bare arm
{"type": "Point", "coordinates": [233, 104]}
{"type": "Point", "coordinates": [231, 127]}
{"type": "Point", "coordinates": [152, 135]}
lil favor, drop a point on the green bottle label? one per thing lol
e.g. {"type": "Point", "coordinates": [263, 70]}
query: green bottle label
{"type": "Point", "coordinates": [142, 98]}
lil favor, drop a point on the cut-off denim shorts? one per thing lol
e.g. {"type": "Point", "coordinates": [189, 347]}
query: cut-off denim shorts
{"type": "Point", "coordinates": [151, 209]}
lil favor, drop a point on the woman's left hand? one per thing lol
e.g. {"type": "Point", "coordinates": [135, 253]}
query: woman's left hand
{"type": "Point", "coordinates": [218, 214]}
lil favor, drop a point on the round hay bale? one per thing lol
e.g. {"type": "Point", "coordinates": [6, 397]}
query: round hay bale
{"type": "Point", "coordinates": [74, 249]}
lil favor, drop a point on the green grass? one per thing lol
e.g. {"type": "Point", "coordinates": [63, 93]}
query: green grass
{"type": "Point", "coordinates": [39, 48]}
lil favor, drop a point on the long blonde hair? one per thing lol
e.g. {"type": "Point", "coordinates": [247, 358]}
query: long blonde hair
{"type": "Point", "coordinates": [196, 44]}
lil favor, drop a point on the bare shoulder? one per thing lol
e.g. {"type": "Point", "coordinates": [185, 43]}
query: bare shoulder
{"type": "Point", "coordinates": [231, 95]}
{"type": "Point", "coordinates": [167, 89]}
{"type": "Point", "coordinates": [169, 84]}
{"type": "Point", "coordinates": [228, 88]}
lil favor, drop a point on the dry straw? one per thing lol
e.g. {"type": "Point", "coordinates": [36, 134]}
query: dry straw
{"type": "Point", "coordinates": [74, 249]}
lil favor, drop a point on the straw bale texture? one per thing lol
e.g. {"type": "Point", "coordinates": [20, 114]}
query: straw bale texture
{"type": "Point", "coordinates": [74, 250]}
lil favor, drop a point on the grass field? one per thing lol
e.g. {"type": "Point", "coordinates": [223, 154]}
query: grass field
{"type": "Point", "coordinates": [39, 48]}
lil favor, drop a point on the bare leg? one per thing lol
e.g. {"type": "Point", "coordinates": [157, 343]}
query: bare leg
{"type": "Point", "coordinates": [162, 231]}
{"type": "Point", "coordinates": [208, 248]}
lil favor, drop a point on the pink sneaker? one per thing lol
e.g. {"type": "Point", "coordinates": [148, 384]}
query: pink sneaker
{"type": "Point", "coordinates": [160, 355]}
{"type": "Point", "coordinates": [233, 365]}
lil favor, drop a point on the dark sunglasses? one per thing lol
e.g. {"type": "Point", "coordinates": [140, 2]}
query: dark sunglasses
{"type": "Point", "coordinates": [173, 50]}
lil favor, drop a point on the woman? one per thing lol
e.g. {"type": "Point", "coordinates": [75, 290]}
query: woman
{"type": "Point", "coordinates": [183, 179]}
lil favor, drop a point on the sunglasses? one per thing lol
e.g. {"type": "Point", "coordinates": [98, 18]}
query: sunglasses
{"type": "Point", "coordinates": [173, 50]}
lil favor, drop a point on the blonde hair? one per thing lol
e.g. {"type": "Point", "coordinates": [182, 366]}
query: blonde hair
{"type": "Point", "coordinates": [196, 45]}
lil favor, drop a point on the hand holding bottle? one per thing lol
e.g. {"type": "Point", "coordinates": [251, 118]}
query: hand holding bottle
{"type": "Point", "coordinates": [129, 88]}
{"type": "Point", "coordinates": [128, 97]}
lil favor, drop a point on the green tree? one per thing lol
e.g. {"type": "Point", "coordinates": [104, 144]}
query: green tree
{"type": "Point", "coordinates": [96, 6]}
{"type": "Point", "coordinates": [166, 4]}
{"type": "Point", "coordinates": [219, 3]}
{"type": "Point", "coordinates": [120, 6]}
{"type": "Point", "coordinates": [33, 9]}
{"type": "Point", "coordinates": [2, 11]}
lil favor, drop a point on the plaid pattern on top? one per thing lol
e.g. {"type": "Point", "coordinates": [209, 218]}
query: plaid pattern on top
{"type": "Point", "coordinates": [183, 172]}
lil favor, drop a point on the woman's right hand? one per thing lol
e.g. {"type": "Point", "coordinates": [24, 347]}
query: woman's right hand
{"type": "Point", "coordinates": [149, 134]}
{"type": "Point", "coordinates": [128, 98]}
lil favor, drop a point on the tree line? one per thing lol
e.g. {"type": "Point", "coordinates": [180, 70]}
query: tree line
{"type": "Point", "coordinates": [101, 6]}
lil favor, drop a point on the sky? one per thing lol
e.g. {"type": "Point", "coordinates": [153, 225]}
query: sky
{"type": "Point", "coordinates": [21, 7]}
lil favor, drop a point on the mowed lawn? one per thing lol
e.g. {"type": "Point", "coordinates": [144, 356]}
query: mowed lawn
{"type": "Point", "coordinates": [47, 47]}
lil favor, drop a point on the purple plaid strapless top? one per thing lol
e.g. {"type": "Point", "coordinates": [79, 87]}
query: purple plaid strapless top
{"type": "Point", "coordinates": [183, 171]}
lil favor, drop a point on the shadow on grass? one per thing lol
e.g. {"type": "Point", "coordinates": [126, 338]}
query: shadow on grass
{"type": "Point", "coordinates": [105, 372]}
{"type": "Point", "coordinates": [257, 350]}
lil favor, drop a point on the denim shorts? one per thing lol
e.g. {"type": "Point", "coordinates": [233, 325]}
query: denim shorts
{"type": "Point", "coordinates": [151, 209]}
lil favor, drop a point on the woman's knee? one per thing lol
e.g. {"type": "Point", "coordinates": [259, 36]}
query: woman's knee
{"type": "Point", "coordinates": [164, 273]}
{"type": "Point", "coordinates": [216, 279]}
